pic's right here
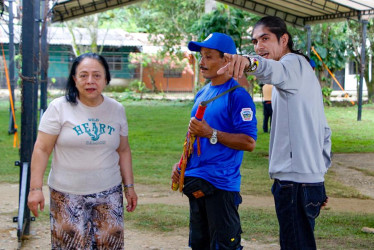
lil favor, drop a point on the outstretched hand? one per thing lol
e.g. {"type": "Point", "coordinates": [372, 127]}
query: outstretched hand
{"type": "Point", "coordinates": [236, 66]}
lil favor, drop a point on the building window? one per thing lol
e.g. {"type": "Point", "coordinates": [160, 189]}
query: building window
{"type": "Point", "coordinates": [114, 62]}
{"type": "Point", "coordinates": [172, 73]}
{"type": "Point", "coordinates": [353, 68]}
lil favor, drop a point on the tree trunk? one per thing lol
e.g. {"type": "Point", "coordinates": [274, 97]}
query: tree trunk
{"type": "Point", "coordinates": [370, 84]}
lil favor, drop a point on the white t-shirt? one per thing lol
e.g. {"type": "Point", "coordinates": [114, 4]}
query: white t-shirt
{"type": "Point", "coordinates": [85, 159]}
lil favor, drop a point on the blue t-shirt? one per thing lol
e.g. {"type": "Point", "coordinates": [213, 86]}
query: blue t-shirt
{"type": "Point", "coordinates": [233, 112]}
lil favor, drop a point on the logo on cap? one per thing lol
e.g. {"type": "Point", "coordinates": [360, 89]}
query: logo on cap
{"type": "Point", "coordinates": [206, 39]}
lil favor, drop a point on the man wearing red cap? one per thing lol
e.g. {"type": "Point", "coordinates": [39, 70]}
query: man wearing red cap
{"type": "Point", "coordinates": [228, 128]}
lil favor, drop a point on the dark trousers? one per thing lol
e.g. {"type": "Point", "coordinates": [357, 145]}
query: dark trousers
{"type": "Point", "coordinates": [215, 222]}
{"type": "Point", "coordinates": [297, 206]}
{"type": "Point", "coordinates": [268, 112]}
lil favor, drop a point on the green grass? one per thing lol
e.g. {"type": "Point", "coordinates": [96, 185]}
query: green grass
{"type": "Point", "coordinates": [158, 217]}
{"type": "Point", "coordinates": [9, 154]}
{"type": "Point", "coordinates": [364, 171]}
{"type": "Point", "coordinates": [350, 135]}
{"type": "Point", "coordinates": [333, 230]}
{"type": "Point", "coordinates": [157, 131]}
{"type": "Point", "coordinates": [156, 134]}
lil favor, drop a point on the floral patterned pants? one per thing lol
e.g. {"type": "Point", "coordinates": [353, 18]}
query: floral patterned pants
{"type": "Point", "coordinates": [93, 221]}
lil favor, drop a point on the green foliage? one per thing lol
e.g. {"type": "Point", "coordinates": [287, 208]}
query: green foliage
{"type": "Point", "coordinates": [116, 88]}
{"type": "Point", "coordinates": [354, 35]}
{"type": "Point", "coordinates": [18, 60]}
{"type": "Point", "coordinates": [254, 86]}
{"type": "Point", "coordinates": [91, 23]}
{"type": "Point", "coordinates": [232, 21]}
{"type": "Point", "coordinates": [120, 18]}
{"type": "Point", "coordinates": [228, 20]}
{"type": "Point", "coordinates": [326, 94]}
{"type": "Point", "coordinates": [330, 42]}
{"type": "Point", "coordinates": [166, 21]}
{"type": "Point", "coordinates": [139, 87]}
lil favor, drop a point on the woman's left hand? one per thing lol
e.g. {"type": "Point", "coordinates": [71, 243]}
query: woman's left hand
{"type": "Point", "coordinates": [132, 199]}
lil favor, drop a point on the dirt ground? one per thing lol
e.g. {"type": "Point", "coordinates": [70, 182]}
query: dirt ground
{"type": "Point", "coordinates": [349, 168]}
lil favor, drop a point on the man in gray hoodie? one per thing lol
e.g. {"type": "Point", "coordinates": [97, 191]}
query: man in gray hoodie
{"type": "Point", "coordinates": [300, 139]}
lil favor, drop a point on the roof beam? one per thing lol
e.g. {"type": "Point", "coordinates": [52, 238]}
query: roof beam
{"type": "Point", "coordinates": [303, 12]}
{"type": "Point", "coordinates": [265, 10]}
{"type": "Point", "coordinates": [68, 10]}
{"type": "Point", "coordinates": [340, 16]}
{"type": "Point", "coordinates": [294, 12]}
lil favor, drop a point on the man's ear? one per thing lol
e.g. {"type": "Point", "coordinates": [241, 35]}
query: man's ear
{"type": "Point", "coordinates": [226, 58]}
{"type": "Point", "coordinates": [284, 39]}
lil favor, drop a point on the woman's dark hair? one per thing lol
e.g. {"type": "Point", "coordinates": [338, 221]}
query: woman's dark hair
{"type": "Point", "coordinates": [72, 91]}
{"type": "Point", "coordinates": [278, 27]}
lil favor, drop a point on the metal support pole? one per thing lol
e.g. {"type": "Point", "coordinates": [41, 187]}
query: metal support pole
{"type": "Point", "coordinates": [309, 39]}
{"type": "Point", "coordinates": [27, 111]}
{"type": "Point", "coordinates": [362, 71]}
{"type": "Point", "coordinates": [23, 218]}
{"type": "Point", "coordinates": [36, 58]}
{"type": "Point", "coordinates": [44, 59]}
{"type": "Point", "coordinates": [11, 129]}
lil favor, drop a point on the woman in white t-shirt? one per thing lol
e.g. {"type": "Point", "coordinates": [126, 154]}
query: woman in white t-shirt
{"type": "Point", "coordinates": [88, 135]}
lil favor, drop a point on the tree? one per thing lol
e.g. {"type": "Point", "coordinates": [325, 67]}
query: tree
{"type": "Point", "coordinates": [91, 23]}
{"type": "Point", "coordinates": [167, 22]}
{"type": "Point", "coordinates": [330, 42]}
{"type": "Point", "coordinates": [120, 18]}
{"type": "Point", "coordinates": [354, 37]}
{"type": "Point", "coordinates": [231, 21]}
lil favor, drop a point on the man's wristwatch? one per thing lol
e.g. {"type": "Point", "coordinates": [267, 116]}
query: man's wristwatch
{"type": "Point", "coordinates": [213, 139]}
{"type": "Point", "coordinates": [253, 63]}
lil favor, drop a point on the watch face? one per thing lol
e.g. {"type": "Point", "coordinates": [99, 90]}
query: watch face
{"type": "Point", "coordinates": [213, 140]}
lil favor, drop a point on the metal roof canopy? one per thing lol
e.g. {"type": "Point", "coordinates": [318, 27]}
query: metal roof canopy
{"type": "Point", "coordinates": [306, 12]}
{"type": "Point", "coordinates": [296, 12]}
{"type": "Point", "coordinates": [65, 10]}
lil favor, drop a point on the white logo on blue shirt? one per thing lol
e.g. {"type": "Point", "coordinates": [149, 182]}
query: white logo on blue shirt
{"type": "Point", "coordinates": [247, 114]}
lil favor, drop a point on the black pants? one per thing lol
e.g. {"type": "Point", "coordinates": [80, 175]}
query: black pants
{"type": "Point", "coordinates": [297, 206]}
{"type": "Point", "coordinates": [215, 222]}
{"type": "Point", "coordinates": [268, 111]}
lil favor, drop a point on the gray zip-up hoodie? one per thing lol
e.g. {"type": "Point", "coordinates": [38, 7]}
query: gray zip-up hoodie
{"type": "Point", "coordinates": [300, 140]}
